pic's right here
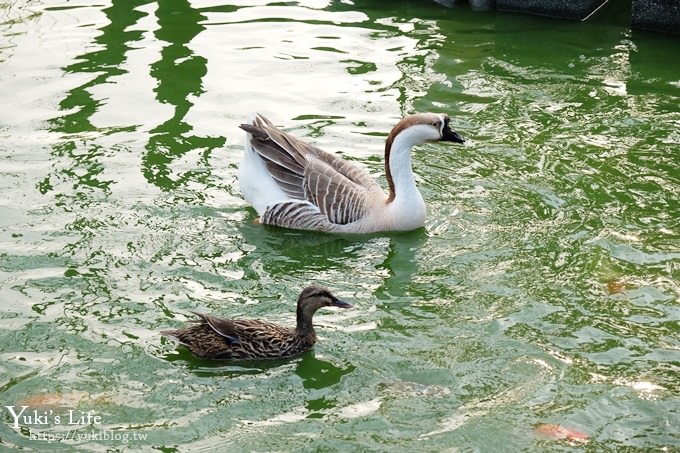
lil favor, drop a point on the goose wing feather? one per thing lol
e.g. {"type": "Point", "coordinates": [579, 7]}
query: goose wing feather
{"type": "Point", "coordinates": [297, 215]}
{"type": "Point", "coordinates": [339, 198]}
{"type": "Point", "coordinates": [305, 172]}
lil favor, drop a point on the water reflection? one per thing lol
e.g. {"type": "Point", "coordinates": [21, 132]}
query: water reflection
{"type": "Point", "coordinates": [308, 253]}
{"type": "Point", "coordinates": [280, 250]}
{"type": "Point", "coordinates": [318, 374]}
{"type": "Point", "coordinates": [113, 43]}
{"type": "Point", "coordinates": [78, 182]}
{"type": "Point", "coordinates": [180, 73]}
{"type": "Point", "coordinates": [401, 263]}
{"type": "Point", "coordinates": [80, 104]}
{"type": "Point", "coordinates": [209, 368]}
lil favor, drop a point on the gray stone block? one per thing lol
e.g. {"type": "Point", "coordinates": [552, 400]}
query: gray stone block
{"type": "Point", "coordinates": [561, 9]}
{"type": "Point", "coordinates": [656, 15]}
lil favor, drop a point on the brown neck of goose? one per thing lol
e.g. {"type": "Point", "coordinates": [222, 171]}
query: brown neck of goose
{"type": "Point", "coordinates": [401, 125]}
{"type": "Point", "coordinates": [388, 171]}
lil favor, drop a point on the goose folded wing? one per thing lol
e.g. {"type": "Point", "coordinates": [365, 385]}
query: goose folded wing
{"type": "Point", "coordinates": [283, 166]}
{"type": "Point", "coordinates": [339, 198]}
{"type": "Point", "coordinates": [301, 152]}
{"type": "Point", "coordinates": [349, 170]}
{"type": "Point", "coordinates": [287, 158]}
{"type": "Point", "coordinates": [297, 215]}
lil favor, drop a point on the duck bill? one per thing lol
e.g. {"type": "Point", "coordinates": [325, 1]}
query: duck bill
{"type": "Point", "coordinates": [341, 304]}
{"type": "Point", "coordinates": [449, 135]}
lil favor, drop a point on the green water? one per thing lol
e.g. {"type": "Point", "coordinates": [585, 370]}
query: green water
{"type": "Point", "coordinates": [543, 288]}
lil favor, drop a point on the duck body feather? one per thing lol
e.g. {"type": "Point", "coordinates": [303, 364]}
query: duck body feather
{"type": "Point", "coordinates": [293, 184]}
{"type": "Point", "coordinates": [211, 337]}
{"type": "Point", "coordinates": [247, 339]}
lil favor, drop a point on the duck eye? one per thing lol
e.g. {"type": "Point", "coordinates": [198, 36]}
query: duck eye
{"type": "Point", "coordinates": [436, 124]}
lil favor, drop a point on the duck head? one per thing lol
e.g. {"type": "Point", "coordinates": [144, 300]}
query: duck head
{"type": "Point", "coordinates": [311, 299]}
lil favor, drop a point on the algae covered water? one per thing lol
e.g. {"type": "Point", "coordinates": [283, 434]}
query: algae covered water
{"type": "Point", "coordinates": [541, 298]}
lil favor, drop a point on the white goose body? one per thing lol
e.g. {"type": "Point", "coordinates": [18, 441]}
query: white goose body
{"type": "Point", "coordinates": [293, 184]}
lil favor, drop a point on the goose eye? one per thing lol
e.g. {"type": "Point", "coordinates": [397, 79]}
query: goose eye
{"type": "Point", "coordinates": [436, 124]}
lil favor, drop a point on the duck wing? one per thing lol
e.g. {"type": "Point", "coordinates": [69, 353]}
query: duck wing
{"type": "Point", "coordinates": [223, 327]}
{"type": "Point", "coordinates": [338, 188]}
{"type": "Point", "coordinates": [240, 331]}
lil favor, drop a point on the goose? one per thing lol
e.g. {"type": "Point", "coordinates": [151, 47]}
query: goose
{"type": "Point", "coordinates": [210, 337]}
{"type": "Point", "coordinates": [293, 184]}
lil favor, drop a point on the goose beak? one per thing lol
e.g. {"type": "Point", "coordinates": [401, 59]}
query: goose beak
{"type": "Point", "coordinates": [341, 303]}
{"type": "Point", "coordinates": [449, 135]}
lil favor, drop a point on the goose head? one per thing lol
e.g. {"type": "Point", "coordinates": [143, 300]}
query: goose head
{"type": "Point", "coordinates": [423, 128]}
{"type": "Point", "coordinates": [310, 300]}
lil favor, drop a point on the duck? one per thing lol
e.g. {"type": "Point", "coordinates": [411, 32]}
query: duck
{"type": "Point", "coordinates": [210, 337]}
{"type": "Point", "coordinates": [295, 185]}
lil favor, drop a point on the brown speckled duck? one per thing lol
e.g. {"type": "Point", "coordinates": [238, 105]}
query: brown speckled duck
{"type": "Point", "coordinates": [252, 339]}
